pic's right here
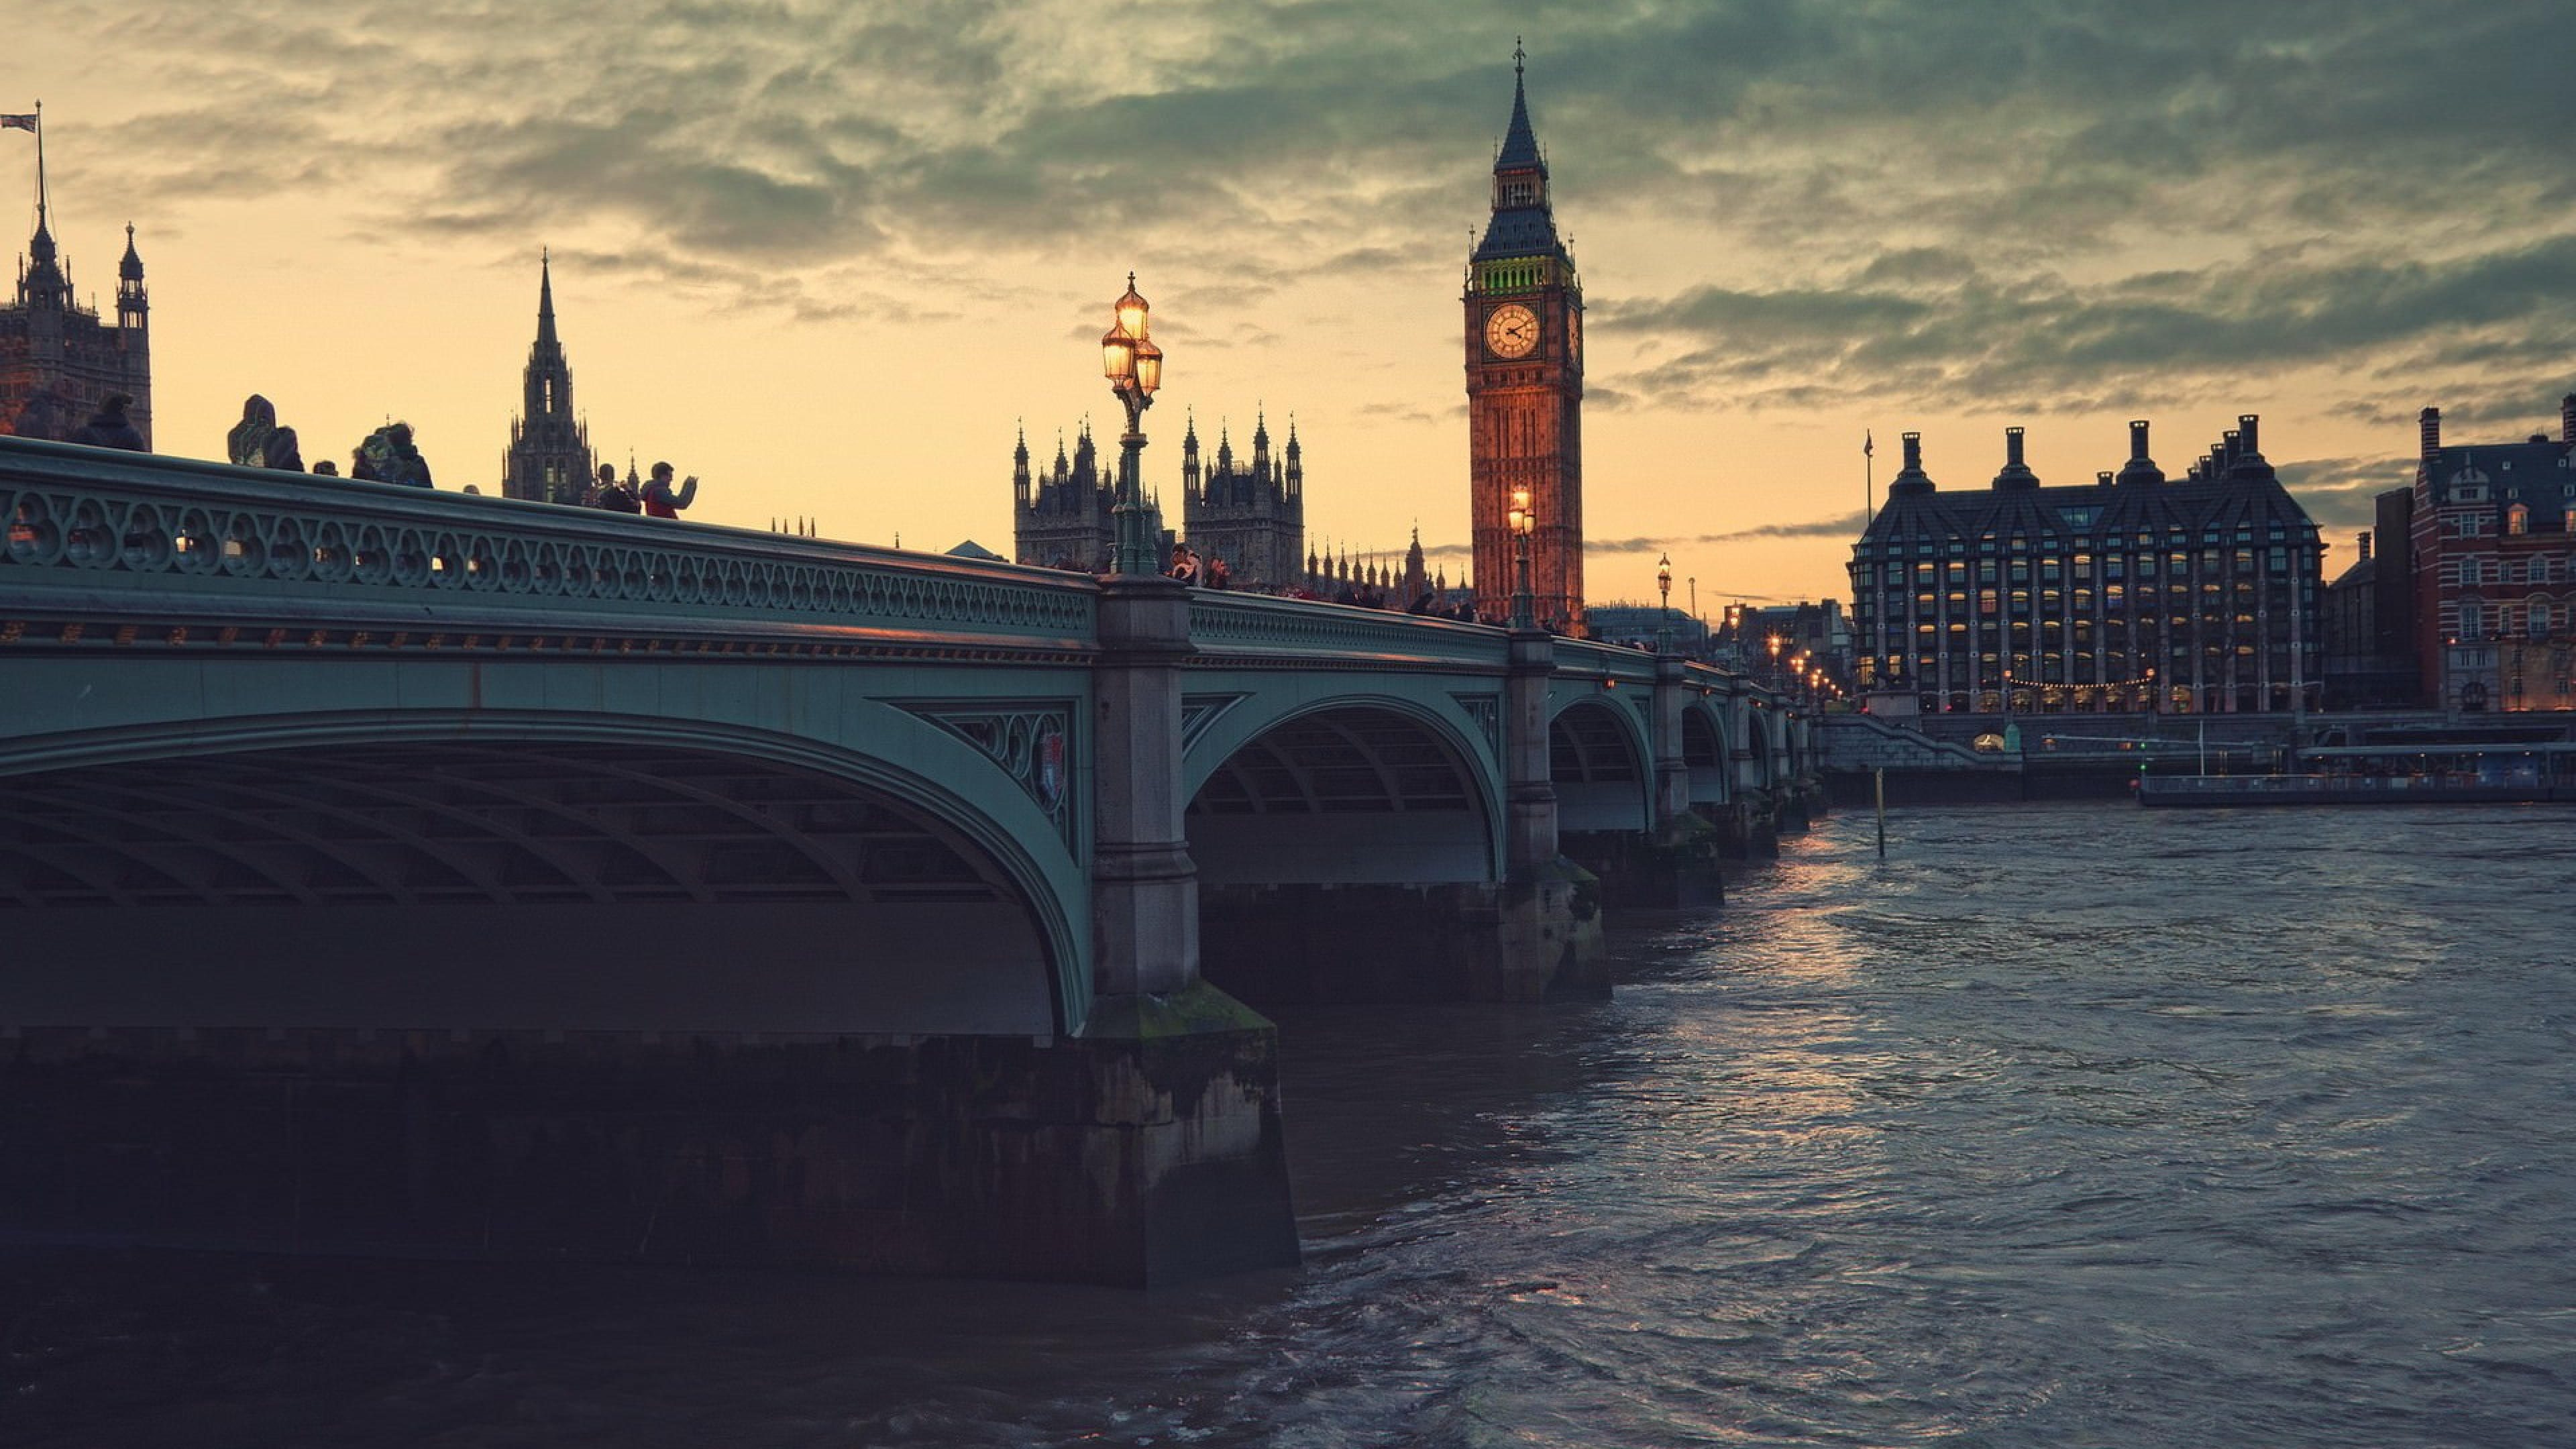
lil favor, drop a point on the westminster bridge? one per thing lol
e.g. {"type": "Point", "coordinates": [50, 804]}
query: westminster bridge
{"type": "Point", "coordinates": [394, 870]}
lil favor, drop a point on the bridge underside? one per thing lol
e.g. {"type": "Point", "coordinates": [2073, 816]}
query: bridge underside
{"type": "Point", "coordinates": [502, 885]}
{"type": "Point", "coordinates": [539, 998]}
{"type": "Point", "coordinates": [1342, 797]}
{"type": "Point", "coordinates": [1351, 855]}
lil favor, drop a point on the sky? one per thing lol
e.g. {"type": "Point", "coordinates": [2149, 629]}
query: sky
{"type": "Point", "coordinates": [832, 255]}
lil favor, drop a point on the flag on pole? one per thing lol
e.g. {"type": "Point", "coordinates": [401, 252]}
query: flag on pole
{"type": "Point", "coordinates": [26, 122]}
{"type": "Point", "coordinates": [1866, 447]}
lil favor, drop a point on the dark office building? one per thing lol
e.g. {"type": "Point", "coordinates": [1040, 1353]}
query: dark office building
{"type": "Point", "coordinates": [2128, 593]}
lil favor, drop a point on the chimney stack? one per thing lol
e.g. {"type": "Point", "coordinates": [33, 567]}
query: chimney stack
{"type": "Point", "coordinates": [2102, 479]}
{"type": "Point", "coordinates": [2362, 541]}
{"type": "Point", "coordinates": [2230, 448]}
{"type": "Point", "coordinates": [2140, 468]}
{"type": "Point", "coordinates": [2245, 425]}
{"type": "Point", "coordinates": [2430, 422]}
{"type": "Point", "coordinates": [2567, 419]}
{"type": "Point", "coordinates": [2016, 474]}
{"type": "Point", "coordinates": [1910, 481]}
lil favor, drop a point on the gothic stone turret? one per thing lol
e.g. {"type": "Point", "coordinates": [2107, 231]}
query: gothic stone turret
{"type": "Point", "coordinates": [549, 460]}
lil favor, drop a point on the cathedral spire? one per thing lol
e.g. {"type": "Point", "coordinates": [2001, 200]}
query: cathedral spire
{"type": "Point", "coordinates": [550, 458]}
{"type": "Point", "coordinates": [546, 298]}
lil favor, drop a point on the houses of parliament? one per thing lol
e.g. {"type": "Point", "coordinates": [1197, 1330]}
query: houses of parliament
{"type": "Point", "coordinates": [1523, 338]}
{"type": "Point", "coordinates": [59, 360]}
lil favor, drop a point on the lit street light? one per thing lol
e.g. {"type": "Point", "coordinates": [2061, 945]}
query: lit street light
{"type": "Point", "coordinates": [1524, 522]}
{"type": "Point", "coordinates": [1664, 619]}
{"type": "Point", "coordinates": [1135, 368]}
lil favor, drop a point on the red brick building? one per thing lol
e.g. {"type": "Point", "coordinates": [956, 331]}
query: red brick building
{"type": "Point", "coordinates": [2492, 545]}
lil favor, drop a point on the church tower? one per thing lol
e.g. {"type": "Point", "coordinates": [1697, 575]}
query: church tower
{"type": "Point", "coordinates": [60, 360]}
{"type": "Point", "coordinates": [549, 459]}
{"type": "Point", "coordinates": [1524, 338]}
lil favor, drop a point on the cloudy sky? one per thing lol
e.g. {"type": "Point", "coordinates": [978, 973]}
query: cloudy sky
{"type": "Point", "coordinates": [831, 254]}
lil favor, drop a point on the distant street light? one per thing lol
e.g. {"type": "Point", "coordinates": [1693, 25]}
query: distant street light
{"type": "Point", "coordinates": [1524, 522]}
{"type": "Point", "coordinates": [1135, 368]}
{"type": "Point", "coordinates": [1664, 619]}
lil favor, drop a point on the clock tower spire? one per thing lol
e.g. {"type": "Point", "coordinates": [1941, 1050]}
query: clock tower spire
{"type": "Point", "coordinates": [1524, 339]}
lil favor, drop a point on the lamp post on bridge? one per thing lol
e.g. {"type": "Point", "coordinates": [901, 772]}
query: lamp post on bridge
{"type": "Point", "coordinates": [1664, 617]}
{"type": "Point", "coordinates": [1524, 521]}
{"type": "Point", "coordinates": [1135, 368]}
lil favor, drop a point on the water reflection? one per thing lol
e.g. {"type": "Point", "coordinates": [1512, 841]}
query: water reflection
{"type": "Point", "coordinates": [2059, 1126]}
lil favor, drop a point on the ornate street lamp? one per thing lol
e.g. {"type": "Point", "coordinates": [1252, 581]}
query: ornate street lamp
{"type": "Point", "coordinates": [1524, 521]}
{"type": "Point", "coordinates": [1664, 620]}
{"type": "Point", "coordinates": [1135, 369]}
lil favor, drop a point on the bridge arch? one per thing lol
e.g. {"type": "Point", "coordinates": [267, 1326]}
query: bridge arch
{"type": "Point", "coordinates": [1346, 790]}
{"type": "Point", "coordinates": [1601, 765]}
{"type": "Point", "coordinates": [467, 869]}
{"type": "Point", "coordinates": [1705, 753]}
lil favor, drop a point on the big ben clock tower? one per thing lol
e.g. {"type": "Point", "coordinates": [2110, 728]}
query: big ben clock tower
{"type": "Point", "coordinates": [1524, 340]}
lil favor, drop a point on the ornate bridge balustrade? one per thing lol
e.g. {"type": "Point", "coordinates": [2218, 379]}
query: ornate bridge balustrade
{"type": "Point", "coordinates": [513, 840]}
{"type": "Point", "coordinates": [287, 549]}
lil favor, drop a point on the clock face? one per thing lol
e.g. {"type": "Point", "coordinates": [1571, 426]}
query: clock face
{"type": "Point", "coordinates": [1511, 330]}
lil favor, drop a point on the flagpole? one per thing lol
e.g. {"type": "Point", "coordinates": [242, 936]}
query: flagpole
{"type": "Point", "coordinates": [1868, 480]}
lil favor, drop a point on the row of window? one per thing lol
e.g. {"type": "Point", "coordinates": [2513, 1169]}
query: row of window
{"type": "Point", "coordinates": [2113, 596]}
{"type": "Point", "coordinates": [2471, 619]}
{"type": "Point", "coordinates": [2172, 537]}
{"type": "Point", "coordinates": [2538, 569]}
{"type": "Point", "coordinates": [2051, 568]}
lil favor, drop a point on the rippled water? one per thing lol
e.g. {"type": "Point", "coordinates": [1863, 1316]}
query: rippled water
{"type": "Point", "coordinates": [2061, 1126]}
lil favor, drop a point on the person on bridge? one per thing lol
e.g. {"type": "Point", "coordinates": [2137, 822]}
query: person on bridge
{"type": "Point", "coordinates": [108, 428]}
{"type": "Point", "coordinates": [612, 495]}
{"type": "Point", "coordinates": [389, 456]}
{"type": "Point", "coordinates": [659, 499]}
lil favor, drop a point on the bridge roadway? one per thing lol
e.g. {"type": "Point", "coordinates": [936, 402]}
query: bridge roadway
{"type": "Point", "coordinates": [390, 870]}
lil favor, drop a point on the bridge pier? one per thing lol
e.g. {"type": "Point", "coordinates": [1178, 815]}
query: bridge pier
{"type": "Point", "coordinates": [1121, 1157]}
{"type": "Point", "coordinates": [1547, 925]}
{"type": "Point", "coordinates": [1185, 1131]}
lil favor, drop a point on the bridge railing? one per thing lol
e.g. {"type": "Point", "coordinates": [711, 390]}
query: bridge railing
{"type": "Point", "coordinates": [1608, 661]}
{"type": "Point", "coordinates": [1259, 626]}
{"type": "Point", "coordinates": [149, 533]}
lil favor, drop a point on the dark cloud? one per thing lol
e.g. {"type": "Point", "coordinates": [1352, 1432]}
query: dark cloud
{"type": "Point", "coordinates": [2344, 492]}
{"type": "Point", "coordinates": [1997, 206]}
{"type": "Point", "coordinates": [1846, 526]}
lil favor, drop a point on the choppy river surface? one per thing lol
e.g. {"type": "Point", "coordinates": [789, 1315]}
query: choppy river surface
{"type": "Point", "coordinates": [2060, 1126]}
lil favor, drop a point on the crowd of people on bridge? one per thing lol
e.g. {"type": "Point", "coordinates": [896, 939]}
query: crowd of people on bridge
{"type": "Point", "coordinates": [390, 454]}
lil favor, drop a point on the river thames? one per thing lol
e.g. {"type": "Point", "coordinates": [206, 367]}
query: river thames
{"type": "Point", "coordinates": [2064, 1125]}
